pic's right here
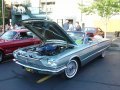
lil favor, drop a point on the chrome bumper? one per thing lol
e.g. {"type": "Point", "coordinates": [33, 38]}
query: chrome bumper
{"type": "Point", "coordinates": [45, 71]}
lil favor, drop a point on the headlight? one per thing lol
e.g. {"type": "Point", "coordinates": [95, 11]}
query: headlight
{"type": "Point", "coordinates": [15, 54]}
{"type": "Point", "coordinates": [52, 63]}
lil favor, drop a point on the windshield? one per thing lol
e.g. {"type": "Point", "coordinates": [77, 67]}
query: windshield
{"type": "Point", "coordinates": [77, 36]}
{"type": "Point", "coordinates": [90, 29]}
{"type": "Point", "coordinates": [8, 35]}
{"type": "Point", "coordinates": [47, 30]}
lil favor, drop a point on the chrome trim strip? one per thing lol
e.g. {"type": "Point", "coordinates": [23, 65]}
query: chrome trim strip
{"type": "Point", "coordinates": [95, 53]}
{"type": "Point", "coordinates": [93, 45]}
{"type": "Point", "coordinates": [53, 71]}
{"type": "Point", "coordinates": [9, 54]}
{"type": "Point", "coordinates": [27, 57]}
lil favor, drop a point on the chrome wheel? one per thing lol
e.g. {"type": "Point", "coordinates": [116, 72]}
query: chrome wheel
{"type": "Point", "coordinates": [103, 54]}
{"type": "Point", "coordinates": [72, 68]}
{"type": "Point", "coordinates": [1, 56]}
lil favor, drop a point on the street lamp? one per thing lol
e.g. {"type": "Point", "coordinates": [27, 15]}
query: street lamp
{"type": "Point", "coordinates": [3, 15]}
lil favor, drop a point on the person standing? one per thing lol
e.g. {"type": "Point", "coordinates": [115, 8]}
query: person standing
{"type": "Point", "coordinates": [66, 25]}
{"type": "Point", "coordinates": [7, 27]}
{"type": "Point", "coordinates": [77, 26]}
{"type": "Point", "coordinates": [71, 26]}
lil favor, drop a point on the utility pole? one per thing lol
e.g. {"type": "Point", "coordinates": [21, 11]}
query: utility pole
{"type": "Point", "coordinates": [3, 15]}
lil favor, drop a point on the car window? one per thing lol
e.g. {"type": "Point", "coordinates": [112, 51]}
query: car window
{"type": "Point", "coordinates": [9, 35]}
{"type": "Point", "coordinates": [25, 35]}
{"type": "Point", "coordinates": [90, 29]}
{"type": "Point", "coordinates": [31, 35]}
{"type": "Point", "coordinates": [99, 29]}
{"type": "Point", "coordinates": [77, 36]}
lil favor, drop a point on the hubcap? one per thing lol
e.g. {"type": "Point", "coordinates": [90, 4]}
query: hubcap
{"type": "Point", "coordinates": [103, 54]}
{"type": "Point", "coordinates": [71, 69]}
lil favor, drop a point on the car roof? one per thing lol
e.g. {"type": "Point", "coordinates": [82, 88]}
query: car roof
{"type": "Point", "coordinates": [91, 27]}
{"type": "Point", "coordinates": [76, 31]}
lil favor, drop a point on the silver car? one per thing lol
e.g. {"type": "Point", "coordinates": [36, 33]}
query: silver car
{"type": "Point", "coordinates": [60, 51]}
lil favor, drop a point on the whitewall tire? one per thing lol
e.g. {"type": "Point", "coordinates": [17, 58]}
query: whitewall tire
{"type": "Point", "coordinates": [103, 54]}
{"type": "Point", "coordinates": [71, 70]}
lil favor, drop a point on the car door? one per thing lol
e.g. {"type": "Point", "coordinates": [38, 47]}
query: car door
{"type": "Point", "coordinates": [26, 39]}
{"type": "Point", "coordinates": [89, 51]}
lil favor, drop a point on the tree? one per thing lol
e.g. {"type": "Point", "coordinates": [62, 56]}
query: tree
{"type": "Point", "coordinates": [104, 8]}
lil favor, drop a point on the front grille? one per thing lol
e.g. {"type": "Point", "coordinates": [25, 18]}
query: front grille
{"type": "Point", "coordinates": [30, 62]}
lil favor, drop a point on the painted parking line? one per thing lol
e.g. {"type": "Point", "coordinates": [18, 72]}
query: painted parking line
{"type": "Point", "coordinates": [6, 61]}
{"type": "Point", "coordinates": [114, 39]}
{"type": "Point", "coordinates": [43, 79]}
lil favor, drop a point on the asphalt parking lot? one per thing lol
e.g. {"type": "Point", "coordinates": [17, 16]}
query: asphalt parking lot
{"type": "Point", "coordinates": [100, 74]}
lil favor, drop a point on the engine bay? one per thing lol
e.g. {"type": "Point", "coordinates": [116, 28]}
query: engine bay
{"type": "Point", "coordinates": [49, 49]}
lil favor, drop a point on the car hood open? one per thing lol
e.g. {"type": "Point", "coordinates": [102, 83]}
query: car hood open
{"type": "Point", "coordinates": [47, 30]}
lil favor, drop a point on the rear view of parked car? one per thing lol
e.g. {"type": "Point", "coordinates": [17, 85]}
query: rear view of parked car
{"type": "Point", "coordinates": [92, 30]}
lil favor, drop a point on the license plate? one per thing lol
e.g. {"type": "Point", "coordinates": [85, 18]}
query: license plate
{"type": "Point", "coordinates": [29, 69]}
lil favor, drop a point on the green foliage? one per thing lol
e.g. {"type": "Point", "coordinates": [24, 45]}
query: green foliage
{"type": "Point", "coordinates": [104, 8]}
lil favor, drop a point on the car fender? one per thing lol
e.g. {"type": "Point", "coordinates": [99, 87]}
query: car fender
{"type": "Point", "coordinates": [77, 58]}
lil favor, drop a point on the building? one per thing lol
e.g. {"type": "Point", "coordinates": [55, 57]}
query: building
{"type": "Point", "coordinates": [58, 11]}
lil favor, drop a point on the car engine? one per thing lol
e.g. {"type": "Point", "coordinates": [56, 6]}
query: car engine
{"type": "Point", "coordinates": [49, 49]}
